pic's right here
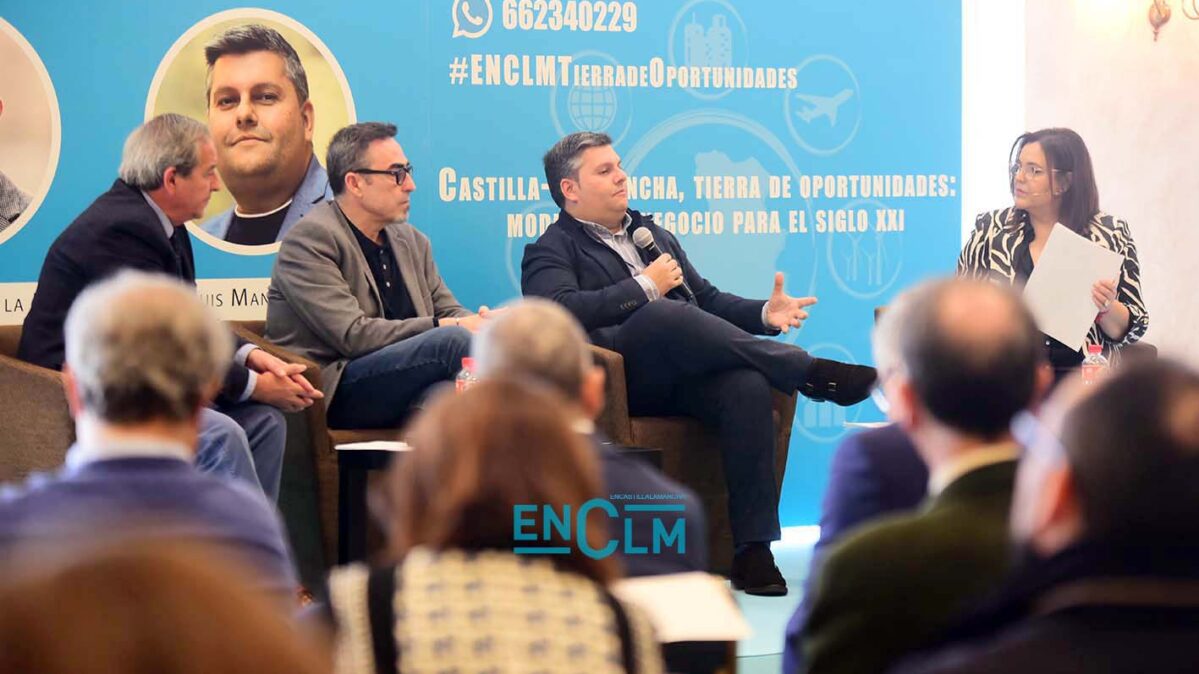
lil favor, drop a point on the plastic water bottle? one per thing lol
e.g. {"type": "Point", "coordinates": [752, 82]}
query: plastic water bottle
{"type": "Point", "coordinates": [466, 376]}
{"type": "Point", "coordinates": [1094, 367]}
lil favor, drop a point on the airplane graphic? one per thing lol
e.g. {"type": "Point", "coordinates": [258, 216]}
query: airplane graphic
{"type": "Point", "coordinates": [822, 106]}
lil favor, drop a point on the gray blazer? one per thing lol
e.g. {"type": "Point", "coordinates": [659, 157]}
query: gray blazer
{"type": "Point", "coordinates": [323, 303]}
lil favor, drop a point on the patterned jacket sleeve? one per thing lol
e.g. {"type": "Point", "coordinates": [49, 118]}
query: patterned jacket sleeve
{"type": "Point", "coordinates": [973, 260]}
{"type": "Point", "coordinates": [1129, 290]}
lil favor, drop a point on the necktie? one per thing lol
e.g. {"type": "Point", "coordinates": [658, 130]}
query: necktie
{"type": "Point", "coordinates": [182, 255]}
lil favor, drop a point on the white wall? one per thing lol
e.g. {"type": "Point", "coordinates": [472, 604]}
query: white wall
{"type": "Point", "coordinates": [992, 101]}
{"type": "Point", "coordinates": [1092, 65]}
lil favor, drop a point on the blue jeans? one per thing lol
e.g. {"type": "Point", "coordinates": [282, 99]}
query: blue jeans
{"type": "Point", "coordinates": [378, 390]}
{"type": "Point", "coordinates": [244, 441]}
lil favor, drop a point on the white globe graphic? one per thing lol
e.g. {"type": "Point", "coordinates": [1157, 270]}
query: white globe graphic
{"type": "Point", "coordinates": [592, 108]}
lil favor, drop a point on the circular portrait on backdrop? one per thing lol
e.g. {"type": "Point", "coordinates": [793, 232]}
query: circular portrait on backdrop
{"type": "Point", "coordinates": [30, 131]}
{"type": "Point", "coordinates": [273, 95]}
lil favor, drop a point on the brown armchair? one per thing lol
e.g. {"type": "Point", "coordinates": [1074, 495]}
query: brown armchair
{"type": "Point", "coordinates": [690, 452]}
{"type": "Point", "coordinates": [35, 424]}
{"type": "Point", "coordinates": [308, 433]}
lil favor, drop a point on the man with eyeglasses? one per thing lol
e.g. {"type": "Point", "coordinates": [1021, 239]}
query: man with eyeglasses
{"type": "Point", "coordinates": [957, 360]}
{"type": "Point", "coordinates": [356, 290]}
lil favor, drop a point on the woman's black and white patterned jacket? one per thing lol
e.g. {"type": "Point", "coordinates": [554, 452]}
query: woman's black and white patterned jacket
{"type": "Point", "coordinates": [990, 252]}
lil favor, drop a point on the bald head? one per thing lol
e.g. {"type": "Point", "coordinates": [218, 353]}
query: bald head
{"type": "Point", "coordinates": [969, 349]}
{"type": "Point", "coordinates": [534, 339]}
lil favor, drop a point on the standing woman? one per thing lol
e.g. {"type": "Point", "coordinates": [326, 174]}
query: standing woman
{"type": "Point", "coordinates": [1052, 182]}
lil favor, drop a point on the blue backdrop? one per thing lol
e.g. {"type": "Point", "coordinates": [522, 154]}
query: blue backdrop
{"type": "Point", "coordinates": [845, 117]}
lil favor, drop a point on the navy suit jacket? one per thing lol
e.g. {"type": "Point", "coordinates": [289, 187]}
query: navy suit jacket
{"type": "Point", "coordinates": [118, 499]}
{"type": "Point", "coordinates": [587, 277]}
{"type": "Point", "coordinates": [875, 472]}
{"type": "Point", "coordinates": [118, 231]}
{"type": "Point", "coordinates": [627, 476]}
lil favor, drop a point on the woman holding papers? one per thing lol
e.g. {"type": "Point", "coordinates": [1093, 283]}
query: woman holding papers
{"type": "Point", "coordinates": [1052, 183]}
{"type": "Point", "coordinates": [485, 467]}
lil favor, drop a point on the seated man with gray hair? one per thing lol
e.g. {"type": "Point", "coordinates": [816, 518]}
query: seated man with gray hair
{"type": "Point", "coordinates": [535, 339]}
{"type": "Point", "coordinates": [167, 174]}
{"type": "Point", "coordinates": [143, 358]}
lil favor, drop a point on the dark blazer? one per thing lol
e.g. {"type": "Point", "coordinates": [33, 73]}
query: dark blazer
{"type": "Point", "coordinates": [1090, 608]}
{"type": "Point", "coordinates": [876, 472]}
{"type": "Point", "coordinates": [118, 231]}
{"type": "Point", "coordinates": [568, 266]}
{"type": "Point", "coordinates": [891, 587]}
{"type": "Point", "coordinates": [625, 476]}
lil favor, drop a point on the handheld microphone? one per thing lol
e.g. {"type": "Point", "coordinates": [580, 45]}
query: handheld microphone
{"type": "Point", "coordinates": [645, 241]}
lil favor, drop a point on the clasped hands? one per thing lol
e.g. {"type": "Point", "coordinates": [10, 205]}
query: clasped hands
{"type": "Point", "coordinates": [281, 384]}
{"type": "Point", "coordinates": [473, 322]}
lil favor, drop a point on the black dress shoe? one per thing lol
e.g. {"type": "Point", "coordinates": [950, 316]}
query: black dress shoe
{"type": "Point", "coordinates": [840, 383]}
{"type": "Point", "coordinates": [754, 572]}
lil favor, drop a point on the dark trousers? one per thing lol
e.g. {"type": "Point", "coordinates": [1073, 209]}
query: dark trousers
{"type": "Point", "coordinates": [679, 359]}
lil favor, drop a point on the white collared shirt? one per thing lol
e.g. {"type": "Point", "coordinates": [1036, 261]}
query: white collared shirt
{"type": "Point", "coordinates": [129, 448]}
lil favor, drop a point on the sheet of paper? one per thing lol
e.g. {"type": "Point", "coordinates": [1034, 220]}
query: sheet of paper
{"type": "Point", "coordinates": [375, 446]}
{"type": "Point", "coordinates": [686, 606]}
{"type": "Point", "coordinates": [867, 424]}
{"type": "Point", "coordinates": [1059, 291]}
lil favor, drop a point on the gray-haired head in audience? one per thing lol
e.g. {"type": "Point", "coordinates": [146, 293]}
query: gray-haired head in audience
{"type": "Point", "coordinates": [141, 347]}
{"type": "Point", "coordinates": [536, 339]}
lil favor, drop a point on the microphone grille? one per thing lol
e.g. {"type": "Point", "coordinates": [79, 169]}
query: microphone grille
{"type": "Point", "coordinates": [642, 238]}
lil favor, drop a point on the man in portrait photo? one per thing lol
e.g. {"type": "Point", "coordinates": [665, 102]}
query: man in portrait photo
{"type": "Point", "coordinates": [13, 201]}
{"type": "Point", "coordinates": [262, 119]}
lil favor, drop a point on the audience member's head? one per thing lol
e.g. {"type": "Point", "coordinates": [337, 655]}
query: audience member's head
{"type": "Point", "coordinates": [142, 349]}
{"type": "Point", "coordinates": [172, 158]}
{"type": "Point", "coordinates": [1116, 462]}
{"type": "Point", "coordinates": [478, 454]}
{"type": "Point", "coordinates": [145, 609]}
{"type": "Point", "coordinates": [369, 174]}
{"type": "Point", "coordinates": [259, 112]}
{"type": "Point", "coordinates": [537, 339]}
{"type": "Point", "coordinates": [957, 357]}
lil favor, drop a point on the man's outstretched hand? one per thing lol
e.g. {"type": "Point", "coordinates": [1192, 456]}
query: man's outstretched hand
{"type": "Point", "coordinates": [784, 312]}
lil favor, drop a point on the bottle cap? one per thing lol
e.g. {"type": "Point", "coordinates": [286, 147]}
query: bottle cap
{"type": "Point", "coordinates": [1094, 348]}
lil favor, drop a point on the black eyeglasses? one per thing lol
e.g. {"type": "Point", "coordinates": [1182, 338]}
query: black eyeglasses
{"type": "Point", "coordinates": [400, 173]}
